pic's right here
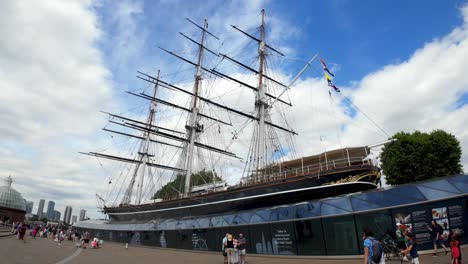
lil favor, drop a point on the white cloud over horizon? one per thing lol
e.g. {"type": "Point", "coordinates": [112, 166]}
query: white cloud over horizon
{"type": "Point", "coordinates": [54, 80]}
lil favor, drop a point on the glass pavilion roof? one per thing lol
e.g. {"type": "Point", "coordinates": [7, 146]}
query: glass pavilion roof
{"type": "Point", "coordinates": [10, 198]}
{"type": "Point", "coordinates": [397, 196]}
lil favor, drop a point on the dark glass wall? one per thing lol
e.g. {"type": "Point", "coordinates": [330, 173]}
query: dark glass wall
{"type": "Point", "coordinates": [309, 237]}
{"type": "Point", "coordinates": [339, 235]}
{"type": "Point", "coordinates": [379, 222]}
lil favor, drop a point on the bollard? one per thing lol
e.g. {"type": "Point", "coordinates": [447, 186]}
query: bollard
{"type": "Point", "coordinates": [126, 245]}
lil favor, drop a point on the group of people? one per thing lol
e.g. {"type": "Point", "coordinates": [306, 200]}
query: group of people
{"type": "Point", "coordinates": [57, 233]}
{"type": "Point", "coordinates": [234, 249]}
{"type": "Point", "coordinates": [440, 237]}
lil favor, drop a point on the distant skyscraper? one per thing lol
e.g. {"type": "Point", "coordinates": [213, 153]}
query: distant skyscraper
{"type": "Point", "coordinates": [57, 215]}
{"type": "Point", "coordinates": [67, 215]}
{"type": "Point", "coordinates": [74, 219]}
{"type": "Point", "coordinates": [82, 214]}
{"type": "Point", "coordinates": [40, 209]}
{"type": "Point", "coordinates": [29, 207]}
{"type": "Point", "coordinates": [50, 210]}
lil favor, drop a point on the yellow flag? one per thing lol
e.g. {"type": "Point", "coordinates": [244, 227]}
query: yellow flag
{"type": "Point", "coordinates": [328, 77]}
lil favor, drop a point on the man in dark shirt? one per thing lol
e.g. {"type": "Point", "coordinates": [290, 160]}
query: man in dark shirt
{"type": "Point", "coordinates": [241, 247]}
{"type": "Point", "coordinates": [437, 231]}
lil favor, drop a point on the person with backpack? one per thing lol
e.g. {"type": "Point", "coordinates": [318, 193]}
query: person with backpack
{"type": "Point", "coordinates": [411, 249]}
{"type": "Point", "coordinates": [373, 250]}
{"type": "Point", "coordinates": [437, 231]}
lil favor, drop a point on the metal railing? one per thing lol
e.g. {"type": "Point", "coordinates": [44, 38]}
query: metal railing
{"type": "Point", "coordinates": [314, 170]}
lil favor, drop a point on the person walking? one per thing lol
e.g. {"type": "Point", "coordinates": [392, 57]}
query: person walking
{"type": "Point", "coordinates": [85, 239]}
{"type": "Point", "coordinates": [373, 250]}
{"type": "Point", "coordinates": [22, 231]}
{"type": "Point", "coordinates": [61, 237]}
{"type": "Point", "coordinates": [437, 231]}
{"type": "Point", "coordinates": [223, 247]}
{"type": "Point", "coordinates": [229, 246]}
{"type": "Point", "coordinates": [401, 238]}
{"type": "Point", "coordinates": [411, 249]}
{"type": "Point", "coordinates": [242, 243]}
{"type": "Point", "coordinates": [34, 232]}
{"type": "Point", "coordinates": [455, 249]}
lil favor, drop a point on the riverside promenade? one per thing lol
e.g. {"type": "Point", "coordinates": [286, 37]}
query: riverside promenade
{"type": "Point", "coordinates": [46, 251]}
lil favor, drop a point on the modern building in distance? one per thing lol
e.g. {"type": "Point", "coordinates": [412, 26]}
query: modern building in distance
{"type": "Point", "coordinates": [82, 214]}
{"type": "Point", "coordinates": [40, 209]}
{"type": "Point", "coordinates": [29, 207]}
{"type": "Point", "coordinates": [57, 215]}
{"type": "Point", "coordinates": [74, 218]}
{"type": "Point", "coordinates": [67, 215]}
{"type": "Point", "coordinates": [50, 210]}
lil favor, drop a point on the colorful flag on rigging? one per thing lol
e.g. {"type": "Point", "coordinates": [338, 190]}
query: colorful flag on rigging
{"type": "Point", "coordinates": [323, 63]}
{"type": "Point", "coordinates": [325, 68]}
{"type": "Point", "coordinates": [328, 78]}
{"type": "Point", "coordinates": [334, 87]}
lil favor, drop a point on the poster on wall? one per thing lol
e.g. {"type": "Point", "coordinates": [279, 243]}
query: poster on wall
{"type": "Point", "coordinates": [440, 216]}
{"type": "Point", "coordinates": [414, 221]}
{"type": "Point", "coordinates": [456, 218]}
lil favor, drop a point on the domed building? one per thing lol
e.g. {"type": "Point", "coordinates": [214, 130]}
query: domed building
{"type": "Point", "coordinates": [12, 204]}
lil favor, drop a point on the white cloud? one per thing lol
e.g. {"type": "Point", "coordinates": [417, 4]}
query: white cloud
{"type": "Point", "coordinates": [53, 82]}
{"type": "Point", "coordinates": [420, 93]}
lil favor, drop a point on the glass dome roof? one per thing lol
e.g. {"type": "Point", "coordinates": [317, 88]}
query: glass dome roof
{"type": "Point", "coordinates": [11, 198]}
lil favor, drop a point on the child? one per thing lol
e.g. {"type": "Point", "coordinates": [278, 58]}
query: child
{"type": "Point", "coordinates": [411, 248]}
{"type": "Point", "coordinates": [455, 249]}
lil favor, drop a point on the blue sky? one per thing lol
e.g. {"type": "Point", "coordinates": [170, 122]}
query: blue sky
{"type": "Point", "coordinates": [359, 36]}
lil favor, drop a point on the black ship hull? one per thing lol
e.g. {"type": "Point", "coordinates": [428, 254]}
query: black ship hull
{"type": "Point", "coordinates": [281, 192]}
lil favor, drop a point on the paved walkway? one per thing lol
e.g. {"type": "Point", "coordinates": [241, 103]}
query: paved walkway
{"type": "Point", "coordinates": [46, 251]}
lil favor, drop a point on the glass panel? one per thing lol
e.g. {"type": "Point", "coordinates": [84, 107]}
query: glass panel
{"type": "Point", "coordinates": [203, 239]}
{"type": "Point", "coordinates": [310, 237]}
{"type": "Point", "coordinates": [283, 239]}
{"type": "Point", "coordinates": [331, 210]}
{"type": "Point", "coordinates": [460, 182]}
{"type": "Point", "coordinates": [340, 236]}
{"type": "Point", "coordinates": [203, 222]}
{"type": "Point", "coordinates": [392, 197]}
{"type": "Point", "coordinates": [228, 218]}
{"type": "Point", "coordinates": [171, 238]}
{"type": "Point", "coordinates": [442, 185]}
{"type": "Point", "coordinates": [285, 213]}
{"type": "Point", "coordinates": [360, 205]}
{"type": "Point", "coordinates": [342, 203]}
{"type": "Point", "coordinates": [305, 210]}
{"type": "Point", "coordinates": [257, 219]}
{"type": "Point", "coordinates": [260, 237]}
{"type": "Point", "coordinates": [240, 219]}
{"type": "Point", "coordinates": [218, 221]}
{"type": "Point", "coordinates": [184, 239]}
{"type": "Point", "coordinates": [379, 222]}
{"type": "Point", "coordinates": [433, 194]}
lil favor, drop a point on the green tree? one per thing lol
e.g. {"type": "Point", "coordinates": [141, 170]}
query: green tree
{"type": "Point", "coordinates": [176, 186]}
{"type": "Point", "coordinates": [420, 156]}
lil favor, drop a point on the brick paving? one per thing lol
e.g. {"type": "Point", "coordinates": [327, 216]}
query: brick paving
{"type": "Point", "coordinates": [45, 250]}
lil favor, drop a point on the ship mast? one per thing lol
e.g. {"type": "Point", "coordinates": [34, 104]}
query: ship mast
{"type": "Point", "coordinates": [193, 126]}
{"type": "Point", "coordinates": [260, 102]}
{"type": "Point", "coordinates": [143, 156]}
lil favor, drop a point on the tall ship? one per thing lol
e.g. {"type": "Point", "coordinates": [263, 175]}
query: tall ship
{"type": "Point", "coordinates": [218, 127]}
